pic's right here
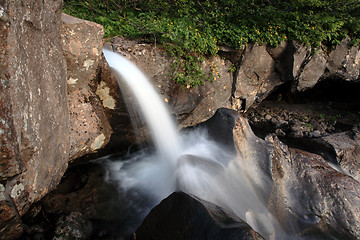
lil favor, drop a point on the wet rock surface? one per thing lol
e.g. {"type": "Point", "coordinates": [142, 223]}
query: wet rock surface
{"type": "Point", "coordinates": [309, 197]}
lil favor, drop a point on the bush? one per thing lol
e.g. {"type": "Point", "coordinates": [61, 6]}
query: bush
{"type": "Point", "coordinates": [192, 30]}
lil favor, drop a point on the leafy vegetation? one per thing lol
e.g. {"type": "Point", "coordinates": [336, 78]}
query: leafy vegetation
{"type": "Point", "coordinates": [192, 30]}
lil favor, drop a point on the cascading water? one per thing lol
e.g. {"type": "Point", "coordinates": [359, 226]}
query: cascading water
{"type": "Point", "coordinates": [189, 162]}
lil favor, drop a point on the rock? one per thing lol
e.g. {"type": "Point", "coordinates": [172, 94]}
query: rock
{"type": "Point", "coordinates": [256, 76]}
{"type": "Point", "coordinates": [280, 132]}
{"type": "Point", "coordinates": [277, 52]}
{"type": "Point", "coordinates": [83, 189]}
{"type": "Point", "coordinates": [255, 158]}
{"type": "Point", "coordinates": [33, 106]}
{"type": "Point", "coordinates": [290, 62]}
{"type": "Point", "coordinates": [312, 71]}
{"type": "Point", "coordinates": [315, 134]}
{"type": "Point", "coordinates": [347, 151]}
{"type": "Point", "coordinates": [324, 202]}
{"type": "Point", "coordinates": [216, 92]}
{"type": "Point", "coordinates": [73, 226]}
{"type": "Point", "coordinates": [301, 53]}
{"type": "Point", "coordinates": [231, 54]}
{"type": "Point", "coordinates": [181, 216]}
{"type": "Point", "coordinates": [344, 62]}
{"type": "Point", "coordinates": [90, 129]}
{"type": "Point", "coordinates": [309, 198]}
{"type": "Point", "coordinates": [220, 127]}
{"type": "Point", "coordinates": [82, 46]}
{"type": "Point", "coordinates": [189, 105]}
{"type": "Point", "coordinates": [115, 108]}
{"type": "Point", "coordinates": [296, 125]}
{"type": "Point", "coordinates": [11, 226]}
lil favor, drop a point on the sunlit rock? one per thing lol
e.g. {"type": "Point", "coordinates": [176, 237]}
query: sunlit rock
{"type": "Point", "coordinates": [34, 116]}
{"type": "Point", "coordinates": [82, 46]}
{"type": "Point", "coordinates": [311, 72]}
{"type": "Point", "coordinates": [344, 62]}
{"type": "Point", "coordinates": [256, 77]}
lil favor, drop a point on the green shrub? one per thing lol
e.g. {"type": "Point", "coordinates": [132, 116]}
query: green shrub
{"type": "Point", "coordinates": [192, 30]}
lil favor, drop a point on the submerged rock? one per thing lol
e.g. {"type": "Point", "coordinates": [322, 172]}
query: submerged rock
{"type": "Point", "coordinates": [181, 216]}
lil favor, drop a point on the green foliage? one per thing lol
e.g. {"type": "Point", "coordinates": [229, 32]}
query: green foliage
{"type": "Point", "coordinates": [192, 30]}
{"type": "Point", "coordinates": [311, 128]}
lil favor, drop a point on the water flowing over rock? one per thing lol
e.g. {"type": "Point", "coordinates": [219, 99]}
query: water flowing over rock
{"type": "Point", "coordinates": [34, 108]}
{"type": "Point", "coordinates": [306, 194]}
{"type": "Point", "coordinates": [53, 109]}
{"type": "Point", "coordinates": [190, 105]}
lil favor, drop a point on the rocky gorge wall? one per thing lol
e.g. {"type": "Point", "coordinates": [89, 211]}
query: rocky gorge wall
{"type": "Point", "coordinates": [259, 71]}
{"type": "Point", "coordinates": [59, 100]}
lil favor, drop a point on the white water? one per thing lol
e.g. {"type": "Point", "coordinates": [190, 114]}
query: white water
{"type": "Point", "coordinates": [191, 162]}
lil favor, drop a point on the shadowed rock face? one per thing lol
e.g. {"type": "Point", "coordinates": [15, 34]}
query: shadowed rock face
{"type": "Point", "coordinates": [181, 216]}
{"type": "Point", "coordinates": [33, 107]}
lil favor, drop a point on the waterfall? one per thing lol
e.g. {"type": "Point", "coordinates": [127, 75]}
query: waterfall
{"type": "Point", "coordinates": [156, 114]}
{"type": "Point", "coordinates": [188, 162]}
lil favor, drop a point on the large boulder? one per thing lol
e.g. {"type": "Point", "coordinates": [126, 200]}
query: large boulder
{"type": "Point", "coordinates": [256, 77]}
{"type": "Point", "coordinates": [344, 62]}
{"type": "Point", "coordinates": [90, 129]}
{"type": "Point", "coordinates": [181, 216]}
{"type": "Point", "coordinates": [34, 107]}
{"type": "Point", "coordinates": [346, 146]}
{"type": "Point", "coordinates": [312, 71]}
{"type": "Point", "coordinates": [308, 197]}
{"type": "Point", "coordinates": [292, 62]}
